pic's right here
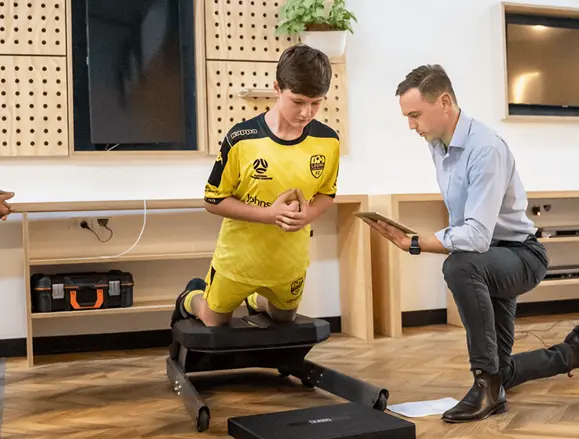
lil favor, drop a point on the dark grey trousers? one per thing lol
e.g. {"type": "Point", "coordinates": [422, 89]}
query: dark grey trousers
{"type": "Point", "coordinates": [485, 287]}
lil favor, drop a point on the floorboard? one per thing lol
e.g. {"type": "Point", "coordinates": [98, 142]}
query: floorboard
{"type": "Point", "coordinates": [126, 394]}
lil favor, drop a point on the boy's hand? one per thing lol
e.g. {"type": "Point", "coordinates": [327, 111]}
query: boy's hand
{"type": "Point", "coordinates": [292, 220]}
{"type": "Point", "coordinates": [286, 202]}
{"type": "Point", "coordinates": [5, 208]}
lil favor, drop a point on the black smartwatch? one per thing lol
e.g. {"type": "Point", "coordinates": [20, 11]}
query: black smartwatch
{"type": "Point", "coordinates": [414, 247]}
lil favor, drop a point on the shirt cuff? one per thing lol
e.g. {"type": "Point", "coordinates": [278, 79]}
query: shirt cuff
{"type": "Point", "coordinates": [444, 237]}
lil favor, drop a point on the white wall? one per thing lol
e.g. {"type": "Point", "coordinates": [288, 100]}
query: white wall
{"type": "Point", "coordinates": [391, 38]}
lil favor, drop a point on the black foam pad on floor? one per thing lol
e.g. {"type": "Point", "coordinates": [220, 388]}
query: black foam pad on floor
{"type": "Point", "coordinates": [344, 421]}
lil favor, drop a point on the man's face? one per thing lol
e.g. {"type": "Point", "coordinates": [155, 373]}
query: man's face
{"type": "Point", "coordinates": [428, 119]}
{"type": "Point", "coordinates": [298, 110]}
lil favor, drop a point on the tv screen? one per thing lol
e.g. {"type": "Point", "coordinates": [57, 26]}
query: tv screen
{"type": "Point", "coordinates": [137, 87]}
{"type": "Point", "coordinates": [542, 63]}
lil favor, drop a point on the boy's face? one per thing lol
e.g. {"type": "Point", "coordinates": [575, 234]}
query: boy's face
{"type": "Point", "coordinates": [298, 110]}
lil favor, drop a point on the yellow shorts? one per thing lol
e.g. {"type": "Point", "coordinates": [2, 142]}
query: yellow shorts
{"type": "Point", "coordinates": [224, 295]}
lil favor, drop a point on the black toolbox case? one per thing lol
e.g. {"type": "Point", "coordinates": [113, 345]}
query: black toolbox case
{"type": "Point", "coordinates": [80, 291]}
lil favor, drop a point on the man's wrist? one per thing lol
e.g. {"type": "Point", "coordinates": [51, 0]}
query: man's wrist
{"type": "Point", "coordinates": [414, 248]}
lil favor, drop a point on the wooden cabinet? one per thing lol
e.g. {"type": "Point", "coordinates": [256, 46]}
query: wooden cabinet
{"type": "Point", "coordinates": [163, 249]}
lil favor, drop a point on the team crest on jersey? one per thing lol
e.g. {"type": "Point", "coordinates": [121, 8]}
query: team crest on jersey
{"type": "Point", "coordinates": [297, 286]}
{"type": "Point", "coordinates": [317, 165]}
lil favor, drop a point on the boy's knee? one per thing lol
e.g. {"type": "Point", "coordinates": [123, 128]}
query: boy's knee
{"type": "Point", "coordinates": [282, 316]}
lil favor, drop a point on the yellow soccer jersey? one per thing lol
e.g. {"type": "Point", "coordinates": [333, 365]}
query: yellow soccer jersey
{"type": "Point", "coordinates": [255, 166]}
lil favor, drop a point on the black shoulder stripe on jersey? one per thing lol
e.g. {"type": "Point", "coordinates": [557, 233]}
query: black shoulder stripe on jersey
{"type": "Point", "coordinates": [220, 163]}
{"type": "Point", "coordinates": [247, 130]}
{"type": "Point", "coordinates": [319, 129]}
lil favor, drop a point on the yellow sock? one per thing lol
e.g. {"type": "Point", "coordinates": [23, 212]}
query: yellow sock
{"type": "Point", "coordinates": [252, 300]}
{"type": "Point", "coordinates": [187, 303]}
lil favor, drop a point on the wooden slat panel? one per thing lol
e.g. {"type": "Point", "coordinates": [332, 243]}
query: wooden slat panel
{"type": "Point", "coordinates": [226, 79]}
{"type": "Point", "coordinates": [33, 106]}
{"type": "Point", "coordinates": [32, 27]}
{"type": "Point", "coordinates": [244, 30]}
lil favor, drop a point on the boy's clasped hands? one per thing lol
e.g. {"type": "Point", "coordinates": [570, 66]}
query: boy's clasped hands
{"type": "Point", "coordinates": [291, 211]}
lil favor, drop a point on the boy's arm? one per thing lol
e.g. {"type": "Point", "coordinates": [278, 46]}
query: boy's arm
{"type": "Point", "coordinates": [322, 201]}
{"type": "Point", "coordinates": [220, 188]}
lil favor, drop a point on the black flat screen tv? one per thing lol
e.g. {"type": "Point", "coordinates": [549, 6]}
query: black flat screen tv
{"type": "Point", "coordinates": [134, 75]}
{"type": "Point", "coordinates": [542, 65]}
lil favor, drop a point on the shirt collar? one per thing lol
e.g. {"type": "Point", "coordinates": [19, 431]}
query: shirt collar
{"type": "Point", "coordinates": [460, 134]}
{"type": "Point", "coordinates": [461, 130]}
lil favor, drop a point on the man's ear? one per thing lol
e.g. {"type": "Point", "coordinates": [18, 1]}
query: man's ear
{"type": "Point", "coordinates": [446, 101]}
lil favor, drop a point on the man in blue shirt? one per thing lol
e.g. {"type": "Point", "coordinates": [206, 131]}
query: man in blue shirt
{"type": "Point", "coordinates": [493, 253]}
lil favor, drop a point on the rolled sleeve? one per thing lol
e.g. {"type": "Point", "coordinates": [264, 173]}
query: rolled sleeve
{"type": "Point", "coordinates": [488, 177]}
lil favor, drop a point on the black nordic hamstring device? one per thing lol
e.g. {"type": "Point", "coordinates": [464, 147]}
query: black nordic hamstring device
{"type": "Point", "coordinates": [258, 341]}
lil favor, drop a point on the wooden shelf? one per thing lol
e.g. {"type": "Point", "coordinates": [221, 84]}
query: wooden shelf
{"type": "Point", "coordinates": [138, 307]}
{"type": "Point", "coordinates": [393, 272]}
{"type": "Point", "coordinates": [559, 282]}
{"type": "Point", "coordinates": [127, 258]}
{"type": "Point", "coordinates": [559, 240]}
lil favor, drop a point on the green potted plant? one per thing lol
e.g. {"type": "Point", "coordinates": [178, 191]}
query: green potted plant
{"type": "Point", "coordinates": [324, 28]}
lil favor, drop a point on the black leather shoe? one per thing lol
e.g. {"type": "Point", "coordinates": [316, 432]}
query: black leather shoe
{"type": "Point", "coordinates": [573, 340]}
{"type": "Point", "coordinates": [179, 312]}
{"type": "Point", "coordinates": [485, 398]}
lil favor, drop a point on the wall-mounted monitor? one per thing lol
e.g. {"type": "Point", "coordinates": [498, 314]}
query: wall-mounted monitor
{"type": "Point", "coordinates": [542, 65]}
{"type": "Point", "coordinates": [134, 75]}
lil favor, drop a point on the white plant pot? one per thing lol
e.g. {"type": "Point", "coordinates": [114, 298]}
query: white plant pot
{"type": "Point", "coordinates": [332, 43]}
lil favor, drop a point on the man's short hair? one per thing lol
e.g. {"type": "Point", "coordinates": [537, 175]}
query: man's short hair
{"type": "Point", "coordinates": [430, 79]}
{"type": "Point", "coordinates": [305, 71]}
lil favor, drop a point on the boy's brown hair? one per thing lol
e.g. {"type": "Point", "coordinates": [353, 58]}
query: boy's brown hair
{"type": "Point", "coordinates": [430, 79]}
{"type": "Point", "coordinates": [305, 71]}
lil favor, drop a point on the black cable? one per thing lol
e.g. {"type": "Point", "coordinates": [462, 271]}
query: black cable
{"type": "Point", "coordinates": [85, 225]}
{"type": "Point", "coordinates": [527, 333]}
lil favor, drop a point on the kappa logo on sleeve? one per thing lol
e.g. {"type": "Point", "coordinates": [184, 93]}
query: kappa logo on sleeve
{"type": "Point", "coordinates": [243, 133]}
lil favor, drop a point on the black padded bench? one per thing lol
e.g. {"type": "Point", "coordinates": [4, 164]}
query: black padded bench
{"type": "Point", "coordinates": [257, 341]}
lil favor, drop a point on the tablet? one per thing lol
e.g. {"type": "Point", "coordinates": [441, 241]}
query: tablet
{"type": "Point", "coordinates": [375, 216]}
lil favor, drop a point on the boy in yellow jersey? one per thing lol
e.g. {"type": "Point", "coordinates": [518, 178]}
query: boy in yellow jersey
{"type": "Point", "coordinates": [275, 174]}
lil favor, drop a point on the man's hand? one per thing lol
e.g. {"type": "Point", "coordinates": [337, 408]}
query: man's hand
{"type": "Point", "coordinates": [393, 234]}
{"type": "Point", "coordinates": [428, 244]}
{"type": "Point", "coordinates": [291, 220]}
{"type": "Point", "coordinates": [5, 208]}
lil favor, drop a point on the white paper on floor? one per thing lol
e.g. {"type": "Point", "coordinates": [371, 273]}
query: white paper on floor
{"type": "Point", "coordinates": [423, 408]}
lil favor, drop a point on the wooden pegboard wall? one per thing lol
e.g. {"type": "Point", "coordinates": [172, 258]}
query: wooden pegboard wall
{"type": "Point", "coordinates": [225, 106]}
{"type": "Point", "coordinates": [33, 106]}
{"type": "Point", "coordinates": [244, 30]}
{"type": "Point", "coordinates": [32, 27]}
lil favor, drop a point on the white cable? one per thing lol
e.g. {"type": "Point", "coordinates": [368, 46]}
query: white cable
{"type": "Point", "coordinates": [126, 251]}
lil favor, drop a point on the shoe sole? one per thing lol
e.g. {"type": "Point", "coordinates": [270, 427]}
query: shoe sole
{"type": "Point", "coordinates": [500, 409]}
{"type": "Point", "coordinates": [193, 285]}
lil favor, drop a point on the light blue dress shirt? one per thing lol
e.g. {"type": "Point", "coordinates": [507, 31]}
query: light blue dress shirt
{"type": "Point", "coordinates": [481, 188]}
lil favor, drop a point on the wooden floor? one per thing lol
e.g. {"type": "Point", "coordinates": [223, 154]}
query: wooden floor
{"type": "Point", "coordinates": [127, 395]}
